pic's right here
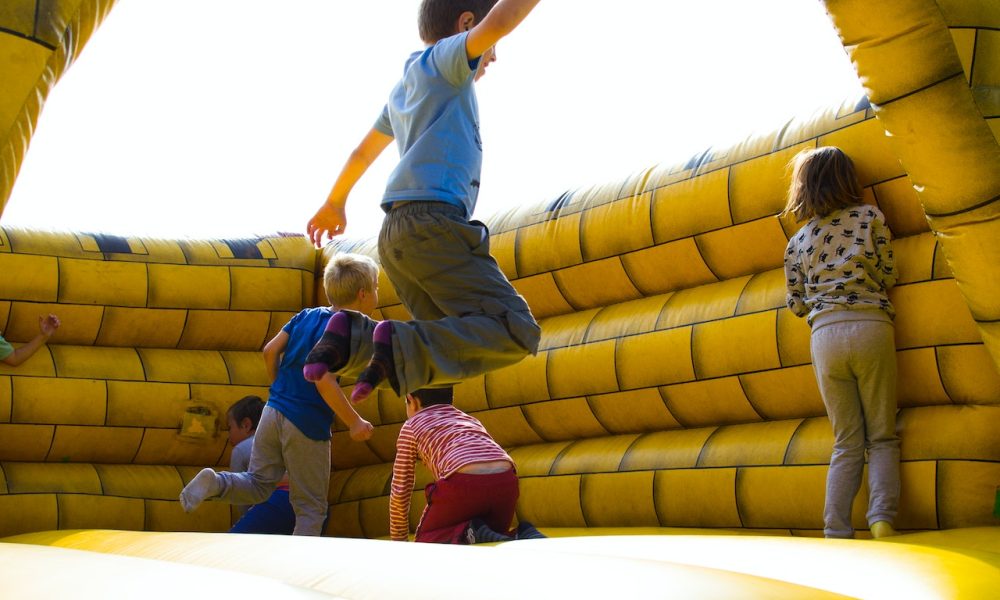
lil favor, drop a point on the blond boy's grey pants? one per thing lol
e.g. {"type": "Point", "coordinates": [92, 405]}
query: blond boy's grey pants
{"type": "Point", "coordinates": [278, 446]}
{"type": "Point", "coordinates": [855, 365]}
{"type": "Point", "coordinates": [468, 317]}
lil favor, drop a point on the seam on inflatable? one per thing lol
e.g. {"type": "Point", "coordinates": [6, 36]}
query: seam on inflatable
{"type": "Point", "coordinates": [145, 376]}
{"type": "Point", "coordinates": [587, 328]}
{"type": "Point", "coordinates": [222, 451]}
{"type": "Point", "coordinates": [52, 441]}
{"type": "Point", "coordinates": [762, 416]}
{"type": "Point", "coordinates": [100, 482]}
{"type": "Point", "coordinates": [607, 432]}
{"type": "Point", "coordinates": [107, 403]}
{"type": "Point", "coordinates": [972, 63]}
{"type": "Point", "coordinates": [743, 291]}
{"type": "Point", "coordinates": [666, 403]}
{"type": "Point", "coordinates": [937, 365]}
{"type": "Point", "coordinates": [736, 495]}
{"type": "Point", "coordinates": [583, 507]}
{"type": "Point", "coordinates": [229, 271]}
{"type": "Point", "coordinates": [225, 363]}
{"type": "Point", "coordinates": [791, 440]}
{"type": "Point", "coordinates": [180, 336]}
{"type": "Point", "coordinates": [10, 394]}
{"type": "Point", "coordinates": [625, 455]}
{"type": "Point", "coordinates": [656, 499]}
{"type": "Point", "coordinates": [531, 425]}
{"type": "Point", "coordinates": [704, 445]}
{"type": "Point", "coordinates": [631, 281]}
{"type": "Point", "coordinates": [34, 20]}
{"type": "Point", "coordinates": [347, 483]}
{"type": "Point", "coordinates": [618, 379]}
{"type": "Point", "coordinates": [780, 136]}
{"type": "Point", "coordinates": [666, 406]}
{"type": "Point", "coordinates": [562, 292]}
{"type": "Point", "coordinates": [966, 209]}
{"type": "Point", "coordinates": [548, 374]}
{"type": "Point", "coordinates": [937, 494]}
{"type": "Point", "coordinates": [138, 448]}
{"type": "Point", "coordinates": [580, 226]}
{"type": "Point", "coordinates": [881, 105]}
{"type": "Point", "coordinates": [701, 255]}
{"type": "Point", "coordinates": [30, 38]}
{"type": "Point", "coordinates": [148, 283]}
{"type": "Point", "coordinates": [559, 455]}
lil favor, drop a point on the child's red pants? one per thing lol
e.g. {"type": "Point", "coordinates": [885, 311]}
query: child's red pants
{"type": "Point", "coordinates": [453, 502]}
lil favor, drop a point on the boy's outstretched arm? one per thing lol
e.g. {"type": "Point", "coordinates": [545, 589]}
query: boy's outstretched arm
{"type": "Point", "coordinates": [505, 16]}
{"type": "Point", "coordinates": [46, 327]}
{"type": "Point", "coordinates": [331, 218]}
{"type": "Point", "coordinates": [328, 387]}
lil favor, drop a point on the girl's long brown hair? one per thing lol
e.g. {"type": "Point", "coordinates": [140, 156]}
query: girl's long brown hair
{"type": "Point", "coordinates": [823, 180]}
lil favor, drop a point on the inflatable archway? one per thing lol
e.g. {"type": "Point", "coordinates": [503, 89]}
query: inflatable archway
{"type": "Point", "coordinates": [673, 393]}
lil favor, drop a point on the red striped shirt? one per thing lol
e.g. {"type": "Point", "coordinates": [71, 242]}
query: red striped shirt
{"type": "Point", "coordinates": [445, 439]}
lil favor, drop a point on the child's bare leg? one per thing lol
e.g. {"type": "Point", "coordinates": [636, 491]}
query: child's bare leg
{"type": "Point", "coordinates": [332, 350]}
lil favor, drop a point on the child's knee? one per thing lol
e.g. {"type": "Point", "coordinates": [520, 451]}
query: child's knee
{"type": "Point", "coordinates": [517, 319]}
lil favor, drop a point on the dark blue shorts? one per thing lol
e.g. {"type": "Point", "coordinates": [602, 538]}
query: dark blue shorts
{"type": "Point", "coordinates": [273, 516]}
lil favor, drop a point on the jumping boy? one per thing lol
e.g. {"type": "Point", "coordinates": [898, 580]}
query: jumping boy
{"type": "Point", "coordinates": [475, 490]}
{"type": "Point", "coordinates": [294, 429]}
{"type": "Point", "coordinates": [470, 320]}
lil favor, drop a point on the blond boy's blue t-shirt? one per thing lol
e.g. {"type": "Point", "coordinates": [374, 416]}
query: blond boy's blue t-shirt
{"type": "Point", "coordinates": [434, 116]}
{"type": "Point", "coordinates": [291, 394]}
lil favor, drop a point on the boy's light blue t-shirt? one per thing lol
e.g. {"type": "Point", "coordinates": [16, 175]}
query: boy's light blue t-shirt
{"type": "Point", "coordinates": [293, 395]}
{"type": "Point", "coordinates": [239, 459]}
{"type": "Point", "coordinates": [5, 348]}
{"type": "Point", "coordinates": [434, 116]}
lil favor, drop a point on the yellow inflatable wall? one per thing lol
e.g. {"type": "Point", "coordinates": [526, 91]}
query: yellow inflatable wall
{"type": "Point", "coordinates": [673, 392]}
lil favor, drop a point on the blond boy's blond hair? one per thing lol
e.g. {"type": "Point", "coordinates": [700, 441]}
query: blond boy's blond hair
{"type": "Point", "coordinates": [347, 274]}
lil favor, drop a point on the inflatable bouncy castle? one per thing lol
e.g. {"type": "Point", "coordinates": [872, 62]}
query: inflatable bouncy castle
{"type": "Point", "coordinates": [669, 434]}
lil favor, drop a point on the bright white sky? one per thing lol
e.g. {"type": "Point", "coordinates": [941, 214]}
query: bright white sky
{"type": "Point", "coordinates": [226, 118]}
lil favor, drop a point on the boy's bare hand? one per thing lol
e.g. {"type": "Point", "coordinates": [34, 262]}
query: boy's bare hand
{"type": "Point", "coordinates": [361, 430]}
{"type": "Point", "coordinates": [329, 221]}
{"type": "Point", "coordinates": [48, 324]}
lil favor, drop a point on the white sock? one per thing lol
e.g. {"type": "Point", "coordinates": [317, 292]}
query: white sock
{"type": "Point", "coordinates": [204, 485]}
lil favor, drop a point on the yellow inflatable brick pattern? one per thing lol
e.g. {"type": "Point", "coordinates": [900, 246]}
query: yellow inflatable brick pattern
{"type": "Point", "coordinates": [672, 394]}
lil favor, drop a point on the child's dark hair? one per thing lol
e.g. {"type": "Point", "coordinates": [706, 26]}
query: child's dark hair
{"type": "Point", "coordinates": [823, 180]}
{"type": "Point", "coordinates": [437, 18]}
{"type": "Point", "coordinates": [248, 407]}
{"type": "Point", "coordinates": [429, 396]}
